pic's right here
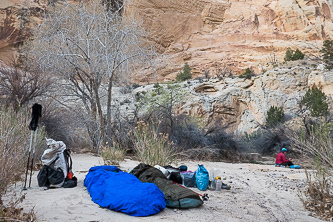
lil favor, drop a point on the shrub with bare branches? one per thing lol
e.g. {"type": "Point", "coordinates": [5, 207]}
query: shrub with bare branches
{"type": "Point", "coordinates": [14, 144]}
{"type": "Point", "coordinates": [19, 85]}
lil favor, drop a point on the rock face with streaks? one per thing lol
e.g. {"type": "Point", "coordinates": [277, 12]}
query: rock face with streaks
{"type": "Point", "coordinates": [222, 36]}
{"type": "Point", "coordinates": [17, 19]}
{"type": "Point", "coordinates": [240, 105]}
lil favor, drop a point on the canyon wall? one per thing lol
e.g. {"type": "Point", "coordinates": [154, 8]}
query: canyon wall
{"type": "Point", "coordinates": [230, 36]}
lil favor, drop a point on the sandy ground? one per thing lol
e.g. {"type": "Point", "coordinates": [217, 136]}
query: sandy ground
{"type": "Point", "coordinates": [258, 193]}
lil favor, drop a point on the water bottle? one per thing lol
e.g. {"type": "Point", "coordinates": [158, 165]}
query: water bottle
{"type": "Point", "coordinates": [218, 184]}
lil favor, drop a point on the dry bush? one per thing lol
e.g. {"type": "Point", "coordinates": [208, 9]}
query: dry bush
{"type": "Point", "coordinates": [12, 212]}
{"type": "Point", "coordinates": [65, 125]}
{"type": "Point", "coordinates": [266, 141]}
{"type": "Point", "coordinates": [151, 146]}
{"type": "Point", "coordinates": [14, 145]}
{"type": "Point", "coordinates": [316, 142]}
{"type": "Point", "coordinates": [19, 85]}
{"type": "Point", "coordinates": [319, 195]}
{"type": "Point", "coordinates": [113, 156]}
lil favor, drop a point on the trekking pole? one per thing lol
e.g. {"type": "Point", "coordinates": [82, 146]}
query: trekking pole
{"type": "Point", "coordinates": [26, 173]}
{"type": "Point", "coordinates": [36, 113]}
{"type": "Point", "coordinates": [33, 154]}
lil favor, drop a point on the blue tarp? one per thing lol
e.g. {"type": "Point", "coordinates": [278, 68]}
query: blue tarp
{"type": "Point", "coordinates": [120, 191]}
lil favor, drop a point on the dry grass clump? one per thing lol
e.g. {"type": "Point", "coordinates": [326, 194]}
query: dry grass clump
{"type": "Point", "coordinates": [151, 146]}
{"type": "Point", "coordinates": [319, 195]}
{"type": "Point", "coordinates": [14, 142]}
{"type": "Point", "coordinates": [14, 213]}
{"type": "Point", "coordinates": [113, 156]}
{"type": "Point", "coordinates": [316, 141]}
{"type": "Point", "coordinates": [14, 145]}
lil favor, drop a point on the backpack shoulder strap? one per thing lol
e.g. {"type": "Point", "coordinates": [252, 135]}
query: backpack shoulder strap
{"type": "Point", "coordinates": [68, 159]}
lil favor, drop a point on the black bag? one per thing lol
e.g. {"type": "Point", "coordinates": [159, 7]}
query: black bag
{"type": "Point", "coordinates": [42, 177]}
{"type": "Point", "coordinates": [175, 177]}
{"type": "Point", "coordinates": [69, 183]}
{"type": "Point", "coordinates": [55, 176]}
{"type": "Point", "coordinates": [48, 176]}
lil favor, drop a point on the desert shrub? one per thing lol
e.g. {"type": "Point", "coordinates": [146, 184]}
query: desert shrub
{"type": "Point", "coordinates": [151, 146]}
{"type": "Point", "coordinates": [274, 116]}
{"type": "Point", "coordinates": [200, 143]}
{"type": "Point", "coordinates": [12, 211]}
{"type": "Point", "coordinates": [186, 133]}
{"type": "Point", "coordinates": [247, 74]}
{"type": "Point", "coordinates": [161, 102]}
{"type": "Point", "coordinates": [315, 101]}
{"type": "Point", "coordinates": [65, 125]}
{"type": "Point", "coordinates": [20, 84]}
{"type": "Point", "coordinates": [318, 197]}
{"type": "Point", "coordinates": [14, 145]}
{"type": "Point", "coordinates": [266, 142]}
{"type": "Point", "coordinates": [185, 74]}
{"type": "Point", "coordinates": [327, 53]}
{"type": "Point", "coordinates": [293, 55]}
{"type": "Point", "coordinates": [113, 155]}
{"type": "Point", "coordinates": [316, 141]}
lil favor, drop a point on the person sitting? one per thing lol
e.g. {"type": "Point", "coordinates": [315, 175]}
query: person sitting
{"type": "Point", "coordinates": [281, 159]}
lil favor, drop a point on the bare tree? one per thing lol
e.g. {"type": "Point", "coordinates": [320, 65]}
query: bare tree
{"type": "Point", "coordinates": [20, 84]}
{"type": "Point", "coordinates": [91, 48]}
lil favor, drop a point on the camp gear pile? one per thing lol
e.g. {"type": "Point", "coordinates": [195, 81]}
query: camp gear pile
{"type": "Point", "coordinates": [120, 191]}
{"type": "Point", "coordinates": [176, 196]}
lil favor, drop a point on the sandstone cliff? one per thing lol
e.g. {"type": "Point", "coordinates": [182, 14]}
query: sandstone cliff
{"type": "Point", "coordinates": [17, 19]}
{"type": "Point", "coordinates": [240, 105]}
{"type": "Point", "coordinates": [219, 36]}
{"type": "Point", "coordinates": [231, 35]}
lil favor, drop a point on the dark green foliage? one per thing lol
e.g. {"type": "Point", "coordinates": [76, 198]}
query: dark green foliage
{"type": "Point", "coordinates": [315, 101]}
{"type": "Point", "coordinates": [185, 74]}
{"type": "Point", "coordinates": [327, 53]}
{"type": "Point", "coordinates": [267, 142]}
{"type": "Point", "coordinates": [293, 55]}
{"type": "Point", "coordinates": [274, 116]}
{"type": "Point", "coordinates": [247, 74]}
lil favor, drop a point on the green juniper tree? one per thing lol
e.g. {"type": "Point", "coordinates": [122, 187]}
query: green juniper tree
{"type": "Point", "coordinates": [274, 116]}
{"type": "Point", "coordinates": [327, 53]}
{"type": "Point", "coordinates": [185, 74]}
{"type": "Point", "coordinates": [315, 101]}
{"type": "Point", "coordinates": [293, 55]}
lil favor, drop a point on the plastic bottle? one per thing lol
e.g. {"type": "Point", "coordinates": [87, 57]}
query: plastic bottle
{"type": "Point", "coordinates": [218, 182]}
{"type": "Point", "coordinates": [213, 173]}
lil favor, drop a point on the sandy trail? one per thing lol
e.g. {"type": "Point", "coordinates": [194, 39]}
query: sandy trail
{"type": "Point", "coordinates": [258, 193]}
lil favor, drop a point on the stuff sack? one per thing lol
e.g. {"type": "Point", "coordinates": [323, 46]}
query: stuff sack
{"type": "Point", "coordinates": [202, 178]}
{"type": "Point", "coordinates": [188, 178]}
{"type": "Point", "coordinates": [120, 191]}
{"type": "Point", "coordinates": [295, 167]}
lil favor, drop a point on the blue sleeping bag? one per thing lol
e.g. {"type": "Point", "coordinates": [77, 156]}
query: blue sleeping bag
{"type": "Point", "coordinates": [120, 191]}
